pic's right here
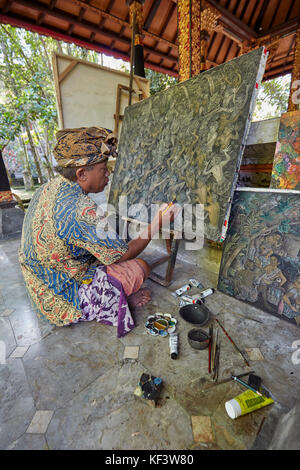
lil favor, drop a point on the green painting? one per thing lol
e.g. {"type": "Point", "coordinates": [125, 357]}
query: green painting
{"type": "Point", "coordinates": [261, 258]}
{"type": "Point", "coordinates": [187, 141]}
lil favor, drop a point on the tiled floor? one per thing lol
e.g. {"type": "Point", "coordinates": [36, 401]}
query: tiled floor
{"type": "Point", "coordinates": [73, 387]}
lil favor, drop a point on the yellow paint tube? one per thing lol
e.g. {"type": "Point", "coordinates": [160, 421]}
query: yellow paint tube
{"type": "Point", "coordinates": [245, 403]}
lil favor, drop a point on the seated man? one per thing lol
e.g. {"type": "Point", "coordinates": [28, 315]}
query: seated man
{"type": "Point", "coordinates": [71, 273]}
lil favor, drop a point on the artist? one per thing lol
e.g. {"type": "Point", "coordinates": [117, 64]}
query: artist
{"type": "Point", "coordinates": [71, 273]}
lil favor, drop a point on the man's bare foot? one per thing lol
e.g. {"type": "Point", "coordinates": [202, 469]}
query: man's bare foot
{"type": "Point", "coordinates": [139, 299]}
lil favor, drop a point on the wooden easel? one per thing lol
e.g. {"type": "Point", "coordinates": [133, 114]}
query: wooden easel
{"type": "Point", "coordinates": [172, 246]}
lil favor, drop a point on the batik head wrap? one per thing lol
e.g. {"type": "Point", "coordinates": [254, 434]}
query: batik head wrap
{"type": "Point", "coordinates": [84, 146]}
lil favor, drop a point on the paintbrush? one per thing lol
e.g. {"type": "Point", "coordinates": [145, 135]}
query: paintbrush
{"type": "Point", "coordinates": [247, 318]}
{"type": "Point", "coordinates": [211, 332]}
{"type": "Point", "coordinates": [217, 363]}
{"type": "Point", "coordinates": [214, 347]}
{"type": "Point", "coordinates": [245, 385]}
{"type": "Point", "coordinates": [168, 207]}
{"type": "Point", "coordinates": [231, 340]}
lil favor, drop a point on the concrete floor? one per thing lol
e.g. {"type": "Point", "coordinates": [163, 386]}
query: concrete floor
{"type": "Point", "coordinates": [73, 387]}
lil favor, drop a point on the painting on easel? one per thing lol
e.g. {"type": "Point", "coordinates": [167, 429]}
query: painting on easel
{"type": "Point", "coordinates": [261, 258]}
{"type": "Point", "coordinates": [187, 142]}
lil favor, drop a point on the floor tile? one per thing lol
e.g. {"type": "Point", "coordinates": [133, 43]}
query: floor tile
{"type": "Point", "coordinates": [131, 352]}
{"type": "Point", "coordinates": [29, 442]}
{"type": "Point", "coordinates": [16, 402]}
{"type": "Point", "coordinates": [7, 312]}
{"type": "Point", "coordinates": [202, 429]}
{"type": "Point", "coordinates": [254, 354]}
{"type": "Point", "coordinates": [19, 351]}
{"type": "Point", "coordinates": [40, 422]}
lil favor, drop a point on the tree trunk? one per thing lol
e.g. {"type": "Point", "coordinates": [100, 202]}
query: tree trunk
{"type": "Point", "coordinates": [45, 150]}
{"type": "Point", "coordinates": [27, 175]}
{"type": "Point", "coordinates": [34, 153]}
{"type": "Point", "coordinates": [47, 153]}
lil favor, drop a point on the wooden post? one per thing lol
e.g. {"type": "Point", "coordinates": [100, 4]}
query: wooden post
{"type": "Point", "coordinates": [136, 53]}
{"type": "Point", "coordinates": [133, 26]}
{"type": "Point", "coordinates": [293, 106]}
{"type": "Point", "coordinates": [196, 21]}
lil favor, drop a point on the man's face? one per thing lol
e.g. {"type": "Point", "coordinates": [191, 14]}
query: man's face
{"type": "Point", "coordinates": [96, 178]}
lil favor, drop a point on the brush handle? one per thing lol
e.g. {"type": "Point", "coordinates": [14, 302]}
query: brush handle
{"type": "Point", "coordinates": [231, 340]}
{"type": "Point", "coordinates": [245, 385]}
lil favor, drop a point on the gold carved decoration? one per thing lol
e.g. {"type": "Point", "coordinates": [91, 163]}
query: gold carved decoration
{"type": "Point", "coordinates": [196, 21]}
{"type": "Point", "coordinates": [295, 72]}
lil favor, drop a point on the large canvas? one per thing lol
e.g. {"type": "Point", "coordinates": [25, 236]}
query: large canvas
{"type": "Point", "coordinates": [188, 140]}
{"type": "Point", "coordinates": [286, 165]}
{"type": "Point", "coordinates": [261, 258]}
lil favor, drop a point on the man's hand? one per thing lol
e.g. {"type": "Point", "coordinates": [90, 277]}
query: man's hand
{"type": "Point", "coordinates": [161, 219]}
{"type": "Point", "coordinates": [164, 216]}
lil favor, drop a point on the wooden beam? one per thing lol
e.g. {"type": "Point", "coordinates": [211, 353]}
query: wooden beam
{"type": "Point", "coordinates": [231, 22]}
{"type": "Point", "coordinates": [7, 6]}
{"type": "Point", "coordinates": [259, 20]}
{"type": "Point", "coordinates": [92, 28]}
{"type": "Point", "coordinates": [107, 15]}
{"type": "Point", "coordinates": [153, 10]}
{"type": "Point", "coordinates": [67, 70]}
{"type": "Point", "coordinates": [285, 29]}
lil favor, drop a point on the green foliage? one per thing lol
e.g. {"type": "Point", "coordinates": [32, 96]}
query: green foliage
{"type": "Point", "coordinates": [273, 98]}
{"type": "Point", "coordinates": [159, 81]}
{"type": "Point", "coordinates": [27, 93]}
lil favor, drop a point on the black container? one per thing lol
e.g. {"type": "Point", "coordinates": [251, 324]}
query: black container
{"type": "Point", "coordinates": [195, 314]}
{"type": "Point", "coordinates": [198, 338]}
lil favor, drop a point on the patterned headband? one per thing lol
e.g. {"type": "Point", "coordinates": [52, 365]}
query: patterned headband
{"type": "Point", "coordinates": [84, 146]}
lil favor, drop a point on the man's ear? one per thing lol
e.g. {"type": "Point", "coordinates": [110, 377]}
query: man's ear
{"type": "Point", "coordinates": [80, 174]}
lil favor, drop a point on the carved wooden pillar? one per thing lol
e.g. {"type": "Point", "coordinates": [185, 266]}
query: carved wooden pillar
{"type": "Point", "coordinates": [209, 19]}
{"type": "Point", "coordinates": [137, 23]}
{"type": "Point", "coordinates": [293, 106]}
{"type": "Point", "coordinates": [196, 21]}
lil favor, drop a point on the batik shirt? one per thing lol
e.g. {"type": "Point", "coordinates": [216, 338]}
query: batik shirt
{"type": "Point", "coordinates": [61, 247]}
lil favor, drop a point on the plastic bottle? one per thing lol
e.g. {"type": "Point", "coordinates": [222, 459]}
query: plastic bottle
{"type": "Point", "coordinates": [173, 342]}
{"type": "Point", "coordinates": [246, 402]}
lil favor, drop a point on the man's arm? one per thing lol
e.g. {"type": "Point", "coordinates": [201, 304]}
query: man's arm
{"type": "Point", "coordinates": [136, 246]}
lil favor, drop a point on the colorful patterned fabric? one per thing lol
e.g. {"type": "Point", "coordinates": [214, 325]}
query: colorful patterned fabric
{"type": "Point", "coordinates": [61, 248]}
{"type": "Point", "coordinates": [286, 165]}
{"type": "Point", "coordinates": [105, 298]}
{"type": "Point", "coordinates": [84, 146]}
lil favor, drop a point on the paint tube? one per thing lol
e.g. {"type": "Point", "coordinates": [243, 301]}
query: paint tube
{"type": "Point", "coordinates": [182, 289]}
{"type": "Point", "coordinates": [246, 402]}
{"type": "Point", "coordinates": [190, 300]}
{"type": "Point", "coordinates": [173, 342]}
{"type": "Point", "coordinates": [196, 283]}
{"type": "Point", "coordinates": [206, 292]}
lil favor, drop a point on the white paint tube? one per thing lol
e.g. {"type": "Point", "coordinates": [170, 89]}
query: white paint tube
{"type": "Point", "coordinates": [196, 283]}
{"type": "Point", "coordinates": [182, 289]}
{"type": "Point", "coordinates": [173, 343]}
{"type": "Point", "coordinates": [206, 292]}
{"type": "Point", "coordinates": [190, 300]}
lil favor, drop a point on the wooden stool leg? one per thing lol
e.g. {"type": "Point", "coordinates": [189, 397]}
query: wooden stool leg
{"type": "Point", "coordinates": [172, 248]}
